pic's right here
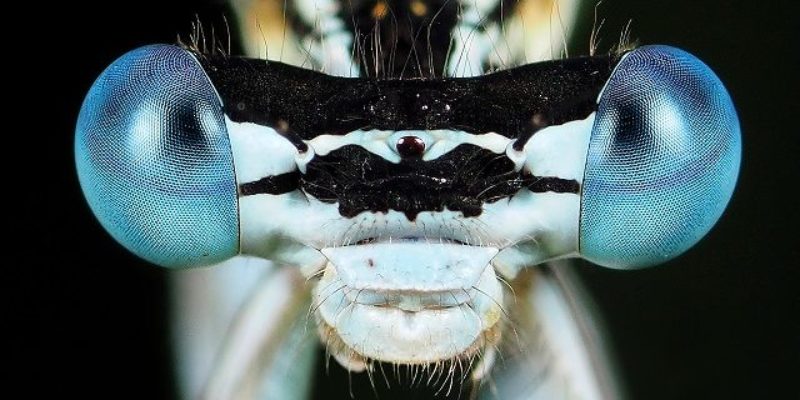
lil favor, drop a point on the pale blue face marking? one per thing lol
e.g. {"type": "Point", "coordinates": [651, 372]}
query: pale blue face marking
{"type": "Point", "coordinates": [155, 162]}
{"type": "Point", "coordinates": [663, 159]}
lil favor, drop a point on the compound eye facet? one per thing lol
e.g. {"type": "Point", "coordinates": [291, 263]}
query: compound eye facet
{"type": "Point", "coordinates": [154, 159]}
{"type": "Point", "coordinates": [663, 159]}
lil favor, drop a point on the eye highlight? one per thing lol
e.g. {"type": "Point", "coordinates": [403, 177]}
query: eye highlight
{"type": "Point", "coordinates": [663, 159]}
{"type": "Point", "coordinates": [154, 159]}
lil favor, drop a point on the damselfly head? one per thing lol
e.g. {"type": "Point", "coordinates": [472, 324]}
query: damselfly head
{"type": "Point", "coordinates": [407, 217]}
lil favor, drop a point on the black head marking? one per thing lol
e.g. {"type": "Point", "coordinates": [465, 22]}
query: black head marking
{"type": "Point", "coordinates": [463, 179]}
{"type": "Point", "coordinates": [314, 104]}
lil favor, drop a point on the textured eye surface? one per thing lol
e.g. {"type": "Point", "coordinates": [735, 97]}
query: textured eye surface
{"type": "Point", "coordinates": [663, 159]}
{"type": "Point", "coordinates": [154, 159]}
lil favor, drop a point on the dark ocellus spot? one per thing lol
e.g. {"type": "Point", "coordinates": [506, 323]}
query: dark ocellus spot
{"type": "Point", "coordinates": [410, 146]}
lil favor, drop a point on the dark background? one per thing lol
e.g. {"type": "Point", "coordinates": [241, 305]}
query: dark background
{"type": "Point", "coordinates": [721, 321]}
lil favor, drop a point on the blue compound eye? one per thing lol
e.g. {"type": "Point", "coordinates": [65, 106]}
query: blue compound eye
{"type": "Point", "coordinates": [154, 159]}
{"type": "Point", "coordinates": [663, 159]}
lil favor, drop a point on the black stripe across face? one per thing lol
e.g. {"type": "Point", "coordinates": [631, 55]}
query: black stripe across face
{"type": "Point", "coordinates": [463, 179]}
{"type": "Point", "coordinates": [310, 104]}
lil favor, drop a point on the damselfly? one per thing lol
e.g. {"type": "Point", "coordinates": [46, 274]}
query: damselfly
{"type": "Point", "coordinates": [405, 194]}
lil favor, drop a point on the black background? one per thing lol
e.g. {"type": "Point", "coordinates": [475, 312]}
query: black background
{"type": "Point", "coordinates": [721, 321]}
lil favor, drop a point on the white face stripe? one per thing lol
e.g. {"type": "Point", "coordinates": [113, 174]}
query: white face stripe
{"type": "Point", "coordinates": [259, 151]}
{"type": "Point", "coordinates": [560, 150]}
{"type": "Point", "coordinates": [382, 143]}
